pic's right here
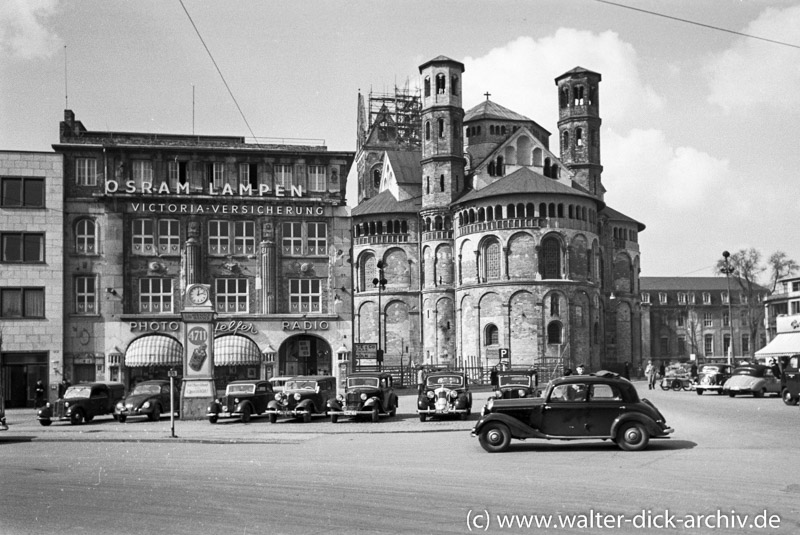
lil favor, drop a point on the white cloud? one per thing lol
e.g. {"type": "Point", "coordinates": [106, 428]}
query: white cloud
{"type": "Point", "coordinates": [754, 72]}
{"type": "Point", "coordinates": [23, 32]}
{"type": "Point", "coordinates": [521, 75]}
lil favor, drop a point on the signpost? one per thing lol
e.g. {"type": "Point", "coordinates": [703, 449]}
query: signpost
{"type": "Point", "coordinates": [172, 373]}
{"type": "Point", "coordinates": [366, 354]}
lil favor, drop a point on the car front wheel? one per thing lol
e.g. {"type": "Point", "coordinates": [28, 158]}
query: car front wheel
{"type": "Point", "coordinates": [121, 418]}
{"type": "Point", "coordinates": [422, 417]}
{"type": "Point", "coordinates": [155, 415]}
{"type": "Point", "coordinates": [633, 436]}
{"type": "Point", "coordinates": [699, 391]}
{"type": "Point", "coordinates": [495, 437]}
{"type": "Point", "coordinates": [45, 423]}
{"type": "Point", "coordinates": [213, 419]}
{"type": "Point", "coordinates": [788, 398]}
{"type": "Point", "coordinates": [273, 418]}
{"type": "Point", "coordinates": [76, 418]}
{"type": "Point", "coordinates": [334, 418]}
{"type": "Point", "coordinates": [246, 414]}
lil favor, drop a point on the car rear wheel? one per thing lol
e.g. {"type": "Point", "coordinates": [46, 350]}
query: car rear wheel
{"type": "Point", "coordinates": [246, 413]}
{"type": "Point", "coordinates": [121, 418]}
{"type": "Point", "coordinates": [393, 411]}
{"type": "Point", "coordinates": [731, 393]}
{"type": "Point", "coordinates": [495, 437]}
{"type": "Point", "coordinates": [334, 418]}
{"type": "Point", "coordinates": [676, 385]}
{"type": "Point", "coordinates": [788, 398]}
{"type": "Point", "coordinates": [759, 393]}
{"type": "Point", "coordinates": [213, 419]}
{"type": "Point", "coordinates": [76, 418]}
{"type": "Point", "coordinates": [155, 415]}
{"type": "Point", "coordinates": [699, 391]}
{"type": "Point", "coordinates": [45, 423]}
{"type": "Point", "coordinates": [633, 436]}
{"type": "Point", "coordinates": [273, 418]}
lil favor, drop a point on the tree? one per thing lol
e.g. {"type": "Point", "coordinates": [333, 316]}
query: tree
{"type": "Point", "coordinates": [781, 267]}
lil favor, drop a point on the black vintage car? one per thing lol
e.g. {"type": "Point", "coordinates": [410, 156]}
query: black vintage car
{"type": "Point", "coordinates": [82, 402]}
{"type": "Point", "coordinates": [711, 377]}
{"type": "Point", "coordinates": [302, 397]}
{"type": "Point", "coordinates": [445, 393]}
{"type": "Point", "coordinates": [790, 379]}
{"type": "Point", "coordinates": [512, 384]}
{"type": "Point", "coordinates": [367, 394]}
{"type": "Point", "coordinates": [148, 398]}
{"type": "Point", "coordinates": [595, 406]}
{"type": "Point", "coordinates": [242, 399]}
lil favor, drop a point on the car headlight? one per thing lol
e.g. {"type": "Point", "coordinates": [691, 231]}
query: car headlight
{"type": "Point", "coordinates": [489, 405]}
{"type": "Point", "coordinates": [47, 405]}
{"type": "Point", "coordinates": [120, 405]}
{"type": "Point", "coordinates": [522, 393]}
{"type": "Point", "coordinates": [339, 398]}
{"type": "Point", "coordinates": [452, 394]}
{"type": "Point", "coordinates": [297, 396]}
{"type": "Point", "coordinates": [498, 394]}
{"type": "Point", "coordinates": [277, 397]}
{"type": "Point", "coordinates": [236, 400]}
{"type": "Point", "coordinates": [66, 404]}
{"type": "Point", "coordinates": [363, 396]}
{"type": "Point", "coordinates": [430, 394]}
{"type": "Point", "coordinates": [146, 405]}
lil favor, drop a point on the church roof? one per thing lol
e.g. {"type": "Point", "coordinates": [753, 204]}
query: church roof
{"type": "Point", "coordinates": [406, 166]}
{"type": "Point", "coordinates": [523, 180]}
{"type": "Point", "coordinates": [441, 59]}
{"type": "Point", "coordinates": [384, 203]}
{"type": "Point", "coordinates": [492, 110]}
{"type": "Point", "coordinates": [616, 216]}
{"type": "Point", "coordinates": [578, 70]}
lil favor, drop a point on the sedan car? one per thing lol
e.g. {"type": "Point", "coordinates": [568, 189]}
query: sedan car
{"type": "Point", "coordinates": [445, 393]}
{"type": "Point", "coordinates": [596, 406]}
{"type": "Point", "coordinates": [303, 397]}
{"type": "Point", "coordinates": [511, 384]}
{"type": "Point", "coordinates": [148, 398]}
{"type": "Point", "coordinates": [711, 377]}
{"type": "Point", "coordinates": [367, 394]}
{"type": "Point", "coordinates": [242, 399]}
{"type": "Point", "coordinates": [755, 379]}
{"type": "Point", "coordinates": [82, 402]}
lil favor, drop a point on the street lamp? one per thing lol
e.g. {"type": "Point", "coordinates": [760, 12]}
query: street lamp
{"type": "Point", "coordinates": [727, 270]}
{"type": "Point", "coordinates": [380, 283]}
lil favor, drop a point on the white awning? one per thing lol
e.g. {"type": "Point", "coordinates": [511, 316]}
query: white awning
{"type": "Point", "coordinates": [236, 350]}
{"type": "Point", "coordinates": [154, 350]}
{"type": "Point", "coordinates": [782, 344]}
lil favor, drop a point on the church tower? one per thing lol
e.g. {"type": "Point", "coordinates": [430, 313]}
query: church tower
{"type": "Point", "coordinates": [442, 165]}
{"type": "Point", "coordinates": [579, 127]}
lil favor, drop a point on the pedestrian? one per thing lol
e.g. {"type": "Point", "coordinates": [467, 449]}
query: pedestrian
{"type": "Point", "coordinates": [693, 372]}
{"type": "Point", "coordinates": [650, 372]}
{"type": "Point", "coordinates": [776, 369]}
{"type": "Point", "coordinates": [420, 379]}
{"type": "Point", "coordinates": [567, 372]}
{"type": "Point", "coordinates": [62, 387]}
{"type": "Point", "coordinates": [493, 376]}
{"type": "Point", "coordinates": [626, 373]}
{"type": "Point", "coordinates": [39, 395]}
{"type": "Point", "coordinates": [662, 370]}
{"type": "Point", "coordinates": [580, 369]}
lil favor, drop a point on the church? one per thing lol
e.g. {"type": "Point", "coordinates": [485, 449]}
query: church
{"type": "Point", "coordinates": [476, 245]}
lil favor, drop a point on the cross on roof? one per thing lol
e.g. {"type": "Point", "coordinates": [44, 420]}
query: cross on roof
{"type": "Point", "coordinates": [487, 95]}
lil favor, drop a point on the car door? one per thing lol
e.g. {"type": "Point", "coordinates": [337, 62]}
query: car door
{"type": "Point", "coordinates": [98, 401]}
{"type": "Point", "coordinates": [604, 406]}
{"type": "Point", "coordinates": [773, 384]}
{"type": "Point", "coordinates": [564, 412]}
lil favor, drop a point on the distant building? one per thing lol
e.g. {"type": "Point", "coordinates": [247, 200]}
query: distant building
{"type": "Point", "coordinates": [686, 316]}
{"type": "Point", "coordinates": [784, 301]}
{"type": "Point", "coordinates": [31, 274]}
{"type": "Point", "coordinates": [495, 249]}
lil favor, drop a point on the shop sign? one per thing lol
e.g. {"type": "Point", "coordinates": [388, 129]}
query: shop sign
{"type": "Point", "coordinates": [365, 351]}
{"type": "Point", "coordinates": [154, 326]}
{"type": "Point", "coordinates": [197, 389]}
{"type": "Point", "coordinates": [197, 316]}
{"type": "Point", "coordinates": [305, 325]}
{"type": "Point", "coordinates": [149, 188]}
{"type": "Point", "coordinates": [234, 327]}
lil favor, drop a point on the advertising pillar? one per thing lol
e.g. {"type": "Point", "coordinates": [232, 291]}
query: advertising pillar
{"type": "Point", "coordinates": [198, 381]}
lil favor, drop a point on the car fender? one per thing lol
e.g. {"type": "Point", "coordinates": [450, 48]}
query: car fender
{"type": "Point", "coordinates": [274, 405]}
{"type": "Point", "coordinates": [518, 429]}
{"type": "Point", "coordinates": [45, 413]}
{"type": "Point", "coordinates": [305, 405]}
{"type": "Point", "coordinates": [334, 405]}
{"type": "Point", "coordinates": [423, 402]}
{"type": "Point", "coordinates": [371, 402]}
{"type": "Point", "coordinates": [463, 402]}
{"type": "Point", "coordinates": [213, 408]}
{"type": "Point", "coordinates": [652, 427]}
{"type": "Point", "coordinates": [242, 404]}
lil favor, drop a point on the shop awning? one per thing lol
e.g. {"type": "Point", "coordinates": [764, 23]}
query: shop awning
{"type": "Point", "coordinates": [782, 344]}
{"type": "Point", "coordinates": [154, 350]}
{"type": "Point", "coordinates": [235, 350]}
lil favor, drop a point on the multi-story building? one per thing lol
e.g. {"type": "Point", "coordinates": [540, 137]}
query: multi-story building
{"type": "Point", "coordinates": [263, 224]}
{"type": "Point", "coordinates": [784, 301]}
{"type": "Point", "coordinates": [687, 316]}
{"type": "Point", "coordinates": [31, 275]}
{"type": "Point", "coordinates": [494, 249]}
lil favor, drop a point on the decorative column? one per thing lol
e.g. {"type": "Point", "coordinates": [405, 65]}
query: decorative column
{"type": "Point", "coordinates": [267, 268]}
{"type": "Point", "coordinates": [192, 251]}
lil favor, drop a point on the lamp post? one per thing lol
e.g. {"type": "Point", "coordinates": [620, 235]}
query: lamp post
{"type": "Point", "coordinates": [380, 283]}
{"type": "Point", "coordinates": [728, 270]}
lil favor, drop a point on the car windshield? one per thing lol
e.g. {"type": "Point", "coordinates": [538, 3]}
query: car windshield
{"type": "Point", "coordinates": [362, 381]}
{"type": "Point", "coordinates": [241, 389]}
{"type": "Point", "coordinates": [77, 392]}
{"type": "Point", "coordinates": [710, 369]}
{"type": "Point", "coordinates": [146, 389]}
{"type": "Point", "coordinates": [301, 385]}
{"type": "Point", "coordinates": [505, 380]}
{"type": "Point", "coordinates": [446, 380]}
{"type": "Point", "coordinates": [755, 372]}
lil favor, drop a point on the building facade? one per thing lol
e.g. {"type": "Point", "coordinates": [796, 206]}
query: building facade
{"type": "Point", "coordinates": [263, 225]}
{"type": "Point", "coordinates": [784, 301]}
{"type": "Point", "coordinates": [494, 250]}
{"type": "Point", "coordinates": [697, 316]}
{"type": "Point", "coordinates": [31, 275]}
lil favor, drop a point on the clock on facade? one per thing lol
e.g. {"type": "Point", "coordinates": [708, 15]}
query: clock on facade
{"type": "Point", "coordinates": [198, 295]}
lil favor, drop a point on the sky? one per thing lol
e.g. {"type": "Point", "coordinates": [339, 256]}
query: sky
{"type": "Point", "coordinates": [699, 136]}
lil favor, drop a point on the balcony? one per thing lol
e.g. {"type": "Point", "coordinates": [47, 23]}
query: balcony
{"type": "Point", "coordinates": [379, 239]}
{"type": "Point", "coordinates": [526, 223]}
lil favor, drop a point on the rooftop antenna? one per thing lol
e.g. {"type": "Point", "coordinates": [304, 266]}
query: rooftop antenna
{"type": "Point", "coordinates": [66, 95]}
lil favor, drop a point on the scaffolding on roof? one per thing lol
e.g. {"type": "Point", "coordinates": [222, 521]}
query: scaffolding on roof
{"type": "Point", "coordinates": [404, 107]}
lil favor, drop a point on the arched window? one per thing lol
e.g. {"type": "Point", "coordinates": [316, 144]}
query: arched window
{"type": "Point", "coordinates": [579, 137]}
{"type": "Point", "coordinates": [492, 335]}
{"type": "Point", "coordinates": [542, 209]}
{"type": "Point", "coordinates": [547, 168]}
{"type": "Point", "coordinates": [564, 100]}
{"type": "Point", "coordinates": [86, 237]}
{"type": "Point", "coordinates": [511, 209]}
{"type": "Point", "coordinates": [441, 83]}
{"type": "Point", "coordinates": [427, 184]}
{"type": "Point", "coordinates": [491, 129]}
{"type": "Point", "coordinates": [376, 177]}
{"type": "Point", "coordinates": [554, 330]}
{"type": "Point", "coordinates": [550, 262]}
{"type": "Point", "coordinates": [555, 305]}
{"type": "Point", "coordinates": [441, 183]}
{"type": "Point", "coordinates": [499, 167]}
{"type": "Point", "coordinates": [440, 125]}
{"type": "Point", "coordinates": [492, 259]}
{"type": "Point", "coordinates": [427, 86]}
{"type": "Point", "coordinates": [491, 168]}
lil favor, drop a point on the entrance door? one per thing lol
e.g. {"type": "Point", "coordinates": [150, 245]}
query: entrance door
{"type": "Point", "coordinates": [83, 373]}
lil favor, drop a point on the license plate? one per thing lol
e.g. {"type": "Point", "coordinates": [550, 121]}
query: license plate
{"type": "Point", "coordinates": [349, 413]}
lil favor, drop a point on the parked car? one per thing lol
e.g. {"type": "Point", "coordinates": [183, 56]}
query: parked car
{"type": "Point", "coordinates": [790, 379]}
{"type": "Point", "coordinates": [512, 384]}
{"type": "Point", "coordinates": [711, 377]}
{"type": "Point", "coordinates": [148, 398]}
{"type": "Point", "coordinates": [755, 379]}
{"type": "Point", "coordinates": [278, 382]}
{"type": "Point", "coordinates": [242, 399]}
{"type": "Point", "coordinates": [82, 402]}
{"type": "Point", "coordinates": [596, 406]}
{"type": "Point", "coordinates": [303, 397]}
{"type": "Point", "coordinates": [445, 393]}
{"type": "Point", "coordinates": [367, 394]}
{"type": "Point", "coordinates": [3, 424]}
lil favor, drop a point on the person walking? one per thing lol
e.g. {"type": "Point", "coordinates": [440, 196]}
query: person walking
{"type": "Point", "coordinates": [650, 372]}
{"type": "Point", "coordinates": [420, 379]}
{"type": "Point", "coordinates": [626, 373]}
{"type": "Point", "coordinates": [39, 395]}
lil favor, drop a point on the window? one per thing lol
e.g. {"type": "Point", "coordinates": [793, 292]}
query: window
{"type": "Point", "coordinates": [176, 173]}
{"type": "Point", "coordinates": [86, 237]}
{"type": "Point", "coordinates": [795, 307]}
{"type": "Point", "coordinates": [604, 393]}
{"type": "Point", "coordinates": [554, 332]}
{"type": "Point", "coordinates": [248, 175]}
{"type": "Point", "coordinates": [86, 295]}
{"type": "Point", "coordinates": [724, 297]}
{"type": "Point", "coordinates": [662, 298]}
{"type": "Point", "coordinates": [796, 286]}
{"type": "Point", "coordinates": [283, 175]}
{"type": "Point", "coordinates": [142, 171]}
{"type": "Point", "coordinates": [293, 238]}
{"type": "Point", "coordinates": [440, 127]}
{"type": "Point", "coordinates": [682, 298]}
{"type": "Point", "coordinates": [645, 298]}
{"type": "Point", "coordinates": [22, 302]}
{"type": "Point", "coordinates": [706, 298]}
{"type": "Point", "coordinates": [155, 296]}
{"type": "Point", "coordinates": [664, 346]}
{"type": "Point", "coordinates": [681, 320]}
{"type": "Point", "coordinates": [19, 192]}
{"type": "Point", "coordinates": [692, 299]}
{"type": "Point", "coordinates": [707, 320]}
{"type": "Point", "coordinates": [492, 261]}
{"type": "Point", "coordinates": [554, 305]}
{"type": "Point", "coordinates": [218, 174]}
{"type": "Point", "coordinates": [550, 263]}
{"type": "Point", "coordinates": [317, 239]}
{"type": "Point", "coordinates": [231, 295]}
{"type": "Point", "coordinates": [492, 335]}
{"type": "Point", "coordinates": [726, 344]}
{"type": "Point", "coordinates": [169, 236]}
{"type": "Point", "coordinates": [708, 345]}
{"type": "Point", "coordinates": [681, 345]}
{"type": "Point", "coordinates": [244, 237]}
{"type": "Point", "coordinates": [305, 295]}
{"type": "Point", "coordinates": [745, 344]}
{"type": "Point", "coordinates": [143, 236]}
{"type": "Point", "coordinates": [22, 247]}
{"type": "Point", "coordinates": [316, 178]}
{"type": "Point", "coordinates": [743, 298]}
{"type": "Point", "coordinates": [726, 320]}
{"type": "Point", "coordinates": [86, 171]}
{"type": "Point", "coordinates": [219, 239]}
